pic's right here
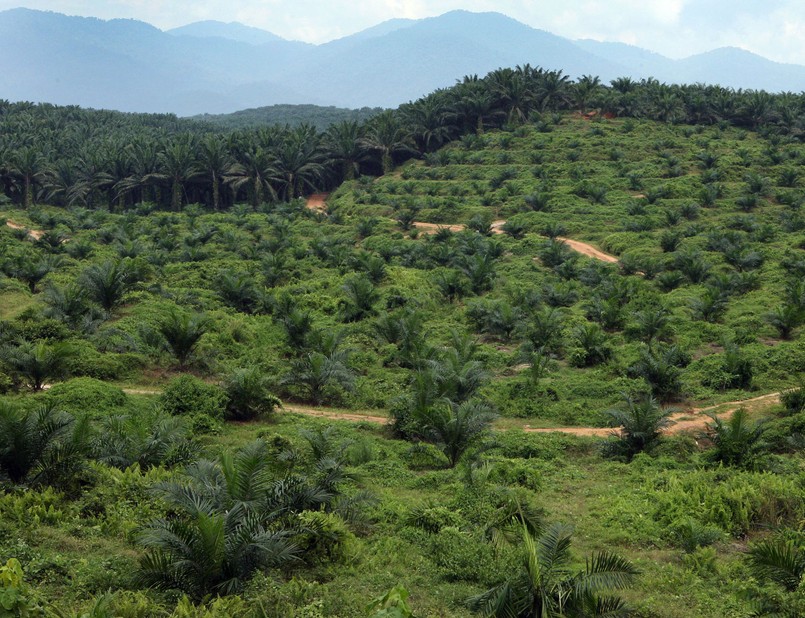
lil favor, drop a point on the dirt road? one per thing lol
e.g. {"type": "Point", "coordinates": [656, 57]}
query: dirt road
{"type": "Point", "coordinates": [35, 234]}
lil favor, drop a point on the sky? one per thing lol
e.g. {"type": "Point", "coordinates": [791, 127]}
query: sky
{"type": "Point", "coordinates": [674, 28]}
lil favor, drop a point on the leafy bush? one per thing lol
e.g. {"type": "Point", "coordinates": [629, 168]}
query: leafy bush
{"type": "Point", "coordinates": [433, 518]}
{"type": "Point", "coordinates": [15, 598]}
{"type": "Point", "coordinates": [793, 400]}
{"type": "Point", "coordinates": [189, 396]}
{"type": "Point", "coordinates": [691, 534]}
{"type": "Point", "coordinates": [87, 396]}
{"type": "Point", "coordinates": [735, 501]}
{"type": "Point", "coordinates": [248, 395]}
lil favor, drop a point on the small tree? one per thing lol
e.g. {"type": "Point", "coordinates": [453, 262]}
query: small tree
{"type": "Point", "coordinates": [106, 283]}
{"type": "Point", "coordinates": [44, 446]}
{"type": "Point", "coordinates": [641, 424]}
{"type": "Point", "coordinates": [455, 428]}
{"type": "Point", "coordinates": [546, 587]}
{"type": "Point", "coordinates": [315, 372]}
{"type": "Point", "coordinates": [36, 363]}
{"type": "Point", "coordinates": [181, 333]}
{"type": "Point", "coordinates": [736, 441]}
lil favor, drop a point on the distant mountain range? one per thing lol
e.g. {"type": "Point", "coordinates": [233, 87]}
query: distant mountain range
{"type": "Point", "coordinates": [214, 67]}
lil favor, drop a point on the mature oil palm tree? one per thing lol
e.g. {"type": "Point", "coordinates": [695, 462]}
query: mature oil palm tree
{"type": "Point", "coordinates": [30, 166]}
{"type": "Point", "coordinates": [299, 163]}
{"type": "Point", "coordinates": [387, 136]}
{"type": "Point", "coordinates": [430, 120]}
{"type": "Point", "coordinates": [344, 149]}
{"type": "Point", "coordinates": [177, 167]}
{"type": "Point", "coordinates": [216, 164]}
{"type": "Point", "coordinates": [585, 90]}
{"type": "Point", "coordinates": [257, 168]}
{"type": "Point", "coordinates": [547, 587]}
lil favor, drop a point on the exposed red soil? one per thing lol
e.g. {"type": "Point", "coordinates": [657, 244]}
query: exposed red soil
{"type": "Point", "coordinates": [432, 228]}
{"type": "Point", "coordinates": [681, 420]}
{"type": "Point", "coordinates": [35, 234]}
{"type": "Point", "coordinates": [588, 250]}
{"type": "Point", "coordinates": [318, 202]}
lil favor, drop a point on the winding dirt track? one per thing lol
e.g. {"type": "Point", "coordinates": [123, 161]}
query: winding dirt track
{"type": "Point", "coordinates": [682, 420]}
{"type": "Point", "coordinates": [318, 202]}
{"type": "Point", "coordinates": [588, 250]}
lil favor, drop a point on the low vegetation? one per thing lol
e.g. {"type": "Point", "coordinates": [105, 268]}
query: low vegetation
{"type": "Point", "coordinates": [193, 363]}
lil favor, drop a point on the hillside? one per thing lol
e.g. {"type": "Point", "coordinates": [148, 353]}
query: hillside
{"type": "Point", "coordinates": [449, 296]}
{"type": "Point", "coordinates": [293, 115]}
{"type": "Point", "coordinates": [214, 67]}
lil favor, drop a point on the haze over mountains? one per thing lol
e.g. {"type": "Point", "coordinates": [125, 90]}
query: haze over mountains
{"type": "Point", "coordinates": [214, 67]}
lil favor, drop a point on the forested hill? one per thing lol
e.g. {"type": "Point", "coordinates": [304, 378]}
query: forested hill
{"type": "Point", "coordinates": [217, 68]}
{"type": "Point", "coordinates": [70, 156]}
{"type": "Point", "coordinates": [293, 115]}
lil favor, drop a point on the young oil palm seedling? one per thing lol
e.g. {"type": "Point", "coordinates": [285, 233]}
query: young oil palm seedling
{"type": "Point", "coordinates": [43, 446]}
{"type": "Point", "coordinates": [34, 364]}
{"type": "Point", "coordinates": [641, 423]}
{"type": "Point", "coordinates": [737, 441]}
{"type": "Point", "coordinates": [546, 587]}
{"type": "Point", "coordinates": [180, 333]}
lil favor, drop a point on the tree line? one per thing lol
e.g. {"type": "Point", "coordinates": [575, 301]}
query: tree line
{"type": "Point", "coordinates": [71, 156]}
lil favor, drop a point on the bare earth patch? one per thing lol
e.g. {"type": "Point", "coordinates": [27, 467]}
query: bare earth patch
{"type": "Point", "coordinates": [682, 420]}
{"type": "Point", "coordinates": [588, 250]}
{"type": "Point", "coordinates": [318, 202]}
{"type": "Point", "coordinates": [35, 234]}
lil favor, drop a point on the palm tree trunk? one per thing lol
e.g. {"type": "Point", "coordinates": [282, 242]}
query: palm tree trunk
{"type": "Point", "coordinates": [216, 198]}
{"type": "Point", "coordinates": [27, 197]}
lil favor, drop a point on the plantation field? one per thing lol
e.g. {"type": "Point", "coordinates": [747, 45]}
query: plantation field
{"type": "Point", "coordinates": [193, 401]}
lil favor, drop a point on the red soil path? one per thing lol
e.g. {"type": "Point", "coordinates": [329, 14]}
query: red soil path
{"type": "Point", "coordinates": [35, 234]}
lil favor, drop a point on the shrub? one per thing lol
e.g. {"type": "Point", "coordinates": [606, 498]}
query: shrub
{"type": "Point", "coordinates": [248, 396]}
{"type": "Point", "coordinates": [189, 396]}
{"type": "Point", "coordinates": [794, 400]}
{"type": "Point", "coordinates": [15, 599]}
{"type": "Point", "coordinates": [432, 518]}
{"type": "Point", "coordinates": [691, 534]}
{"type": "Point", "coordinates": [87, 396]}
{"type": "Point", "coordinates": [735, 501]}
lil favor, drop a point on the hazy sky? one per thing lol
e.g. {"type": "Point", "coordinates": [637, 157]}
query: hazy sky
{"type": "Point", "coordinates": [676, 28]}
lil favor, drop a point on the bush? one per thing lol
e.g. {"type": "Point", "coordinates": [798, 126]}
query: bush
{"type": "Point", "coordinates": [464, 557]}
{"type": "Point", "coordinates": [736, 502]}
{"type": "Point", "coordinates": [691, 534]}
{"type": "Point", "coordinates": [87, 396]}
{"type": "Point", "coordinates": [327, 538]}
{"type": "Point", "coordinates": [248, 396]}
{"type": "Point", "coordinates": [433, 518]}
{"type": "Point", "coordinates": [794, 400]}
{"type": "Point", "coordinates": [189, 396]}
